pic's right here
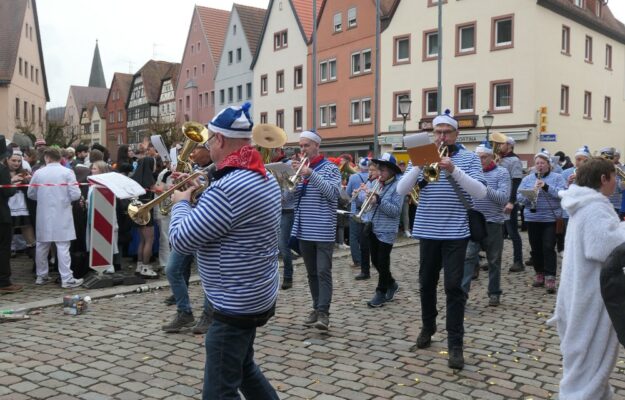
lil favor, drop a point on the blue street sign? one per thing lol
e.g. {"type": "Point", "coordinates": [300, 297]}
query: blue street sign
{"type": "Point", "coordinates": [548, 137]}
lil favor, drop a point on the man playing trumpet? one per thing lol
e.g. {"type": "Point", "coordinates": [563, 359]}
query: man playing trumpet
{"type": "Point", "coordinates": [442, 227]}
{"type": "Point", "coordinates": [317, 195]}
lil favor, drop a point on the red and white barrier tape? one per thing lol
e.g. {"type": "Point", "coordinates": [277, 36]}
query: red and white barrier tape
{"type": "Point", "coordinates": [21, 185]}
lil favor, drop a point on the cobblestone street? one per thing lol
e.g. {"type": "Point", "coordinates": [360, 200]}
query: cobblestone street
{"type": "Point", "coordinates": [117, 350]}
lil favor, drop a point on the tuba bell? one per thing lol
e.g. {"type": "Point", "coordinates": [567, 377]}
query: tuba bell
{"type": "Point", "coordinates": [498, 139]}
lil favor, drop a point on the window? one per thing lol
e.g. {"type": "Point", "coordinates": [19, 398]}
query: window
{"type": "Point", "coordinates": [338, 22]}
{"type": "Point", "coordinates": [32, 113]}
{"type": "Point", "coordinates": [327, 70]}
{"type": "Point", "coordinates": [332, 114]}
{"type": "Point", "coordinates": [187, 73]}
{"type": "Point", "coordinates": [355, 63]}
{"type": "Point", "coordinates": [239, 55]}
{"type": "Point", "coordinates": [26, 30]}
{"type": "Point", "coordinates": [194, 72]}
{"type": "Point", "coordinates": [580, 3]}
{"type": "Point", "coordinates": [20, 65]}
{"type": "Point", "coordinates": [198, 47]}
{"type": "Point", "coordinates": [111, 117]}
{"type": "Point", "coordinates": [212, 97]}
{"type": "Point", "coordinates": [366, 61]}
{"type": "Point", "coordinates": [26, 69]}
{"type": "Point", "coordinates": [430, 45]}
{"type": "Point", "coordinates": [280, 81]}
{"type": "Point", "coordinates": [355, 111]}
{"type": "Point", "coordinates": [25, 111]}
{"type": "Point", "coordinates": [230, 95]}
{"type": "Point", "coordinates": [96, 127]}
{"type": "Point", "coordinates": [192, 49]}
{"type": "Point", "coordinates": [430, 102]}
{"type": "Point", "coordinates": [119, 115]}
{"type": "Point", "coordinates": [597, 9]}
{"type": "Point", "coordinates": [608, 56]}
{"type": "Point", "coordinates": [465, 99]}
{"type": "Point", "coordinates": [402, 50]}
{"type": "Point", "coordinates": [607, 109]}
{"type": "Point", "coordinates": [280, 118]}
{"type": "Point", "coordinates": [230, 57]}
{"type": "Point", "coordinates": [564, 100]}
{"type": "Point", "coordinates": [352, 17]}
{"type": "Point", "coordinates": [248, 89]}
{"type": "Point", "coordinates": [502, 32]}
{"type": "Point", "coordinates": [587, 105]}
{"type": "Point", "coordinates": [366, 110]}
{"type": "Point", "coordinates": [222, 96]}
{"type": "Point", "coordinates": [465, 39]}
{"type": "Point", "coordinates": [566, 40]}
{"type": "Point", "coordinates": [37, 76]}
{"type": "Point", "coordinates": [361, 111]}
{"type": "Point", "coordinates": [588, 50]}
{"type": "Point", "coordinates": [298, 77]}
{"type": "Point", "coordinates": [263, 85]}
{"type": "Point", "coordinates": [39, 115]}
{"type": "Point", "coordinates": [187, 104]}
{"type": "Point", "coordinates": [234, 29]}
{"type": "Point", "coordinates": [297, 119]}
{"type": "Point", "coordinates": [17, 108]}
{"type": "Point", "coordinates": [397, 96]}
{"type": "Point", "coordinates": [239, 92]}
{"type": "Point", "coordinates": [280, 40]}
{"type": "Point", "coordinates": [323, 116]}
{"type": "Point", "coordinates": [501, 96]}
{"type": "Point", "coordinates": [203, 68]}
{"type": "Point", "coordinates": [263, 118]}
{"type": "Point", "coordinates": [31, 33]}
{"type": "Point", "coordinates": [32, 73]}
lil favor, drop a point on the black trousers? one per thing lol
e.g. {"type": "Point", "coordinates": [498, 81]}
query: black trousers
{"type": "Point", "coordinates": [365, 253]}
{"type": "Point", "coordinates": [542, 238]}
{"type": "Point", "coordinates": [6, 235]}
{"type": "Point", "coordinates": [381, 259]}
{"type": "Point", "coordinates": [449, 256]}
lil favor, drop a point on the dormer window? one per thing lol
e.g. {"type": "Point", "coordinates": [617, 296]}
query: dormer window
{"type": "Point", "coordinates": [234, 29]}
{"type": "Point", "coordinates": [580, 3]}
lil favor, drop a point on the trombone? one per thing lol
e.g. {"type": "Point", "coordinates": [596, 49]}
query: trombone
{"type": "Point", "coordinates": [366, 205]}
{"type": "Point", "coordinates": [140, 213]}
{"type": "Point", "coordinates": [432, 172]}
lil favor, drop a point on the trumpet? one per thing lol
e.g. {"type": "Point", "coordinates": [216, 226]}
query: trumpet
{"type": "Point", "coordinates": [196, 134]}
{"type": "Point", "coordinates": [432, 172]}
{"type": "Point", "coordinates": [292, 183]}
{"type": "Point", "coordinates": [536, 191]}
{"type": "Point", "coordinates": [414, 194]}
{"type": "Point", "coordinates": [140, 213]}
{"type": "Point", "coordinates": [366, 205]}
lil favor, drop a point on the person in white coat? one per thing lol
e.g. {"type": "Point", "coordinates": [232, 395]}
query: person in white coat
{"type": "Point", "coordinates": [588, 341]}
{"type": "Point", "coordinates": [55, 222]}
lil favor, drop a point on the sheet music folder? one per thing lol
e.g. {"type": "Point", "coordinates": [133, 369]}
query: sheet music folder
{"type": "Point", "coordinates": [421, 150]}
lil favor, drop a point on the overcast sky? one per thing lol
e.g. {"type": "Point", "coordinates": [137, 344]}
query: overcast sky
{"type": "Point", "coordinates": [130, 32]}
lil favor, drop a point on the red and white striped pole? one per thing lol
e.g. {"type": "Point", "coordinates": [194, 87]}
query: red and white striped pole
{"type": "Point", "coordinates": [102, 229]}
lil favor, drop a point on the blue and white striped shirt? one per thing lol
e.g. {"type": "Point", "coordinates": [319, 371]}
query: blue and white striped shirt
{"type": "Point", "coordinates": [441, 214]}
{"type": "Point", "coordinates": [386, 214]}
{"type": "Point", "coordinates": [616, 197]}
{"type": "Point", "coordinates": [497, 195]}
{"type": "Point", "coordinates": [315, 218]}
{"type": "Point", "coordinates": [233, 231]}
{"type": "Point", "coordinates": [565, 176]}
{"type": "Point", "coordinates": [548, 203]}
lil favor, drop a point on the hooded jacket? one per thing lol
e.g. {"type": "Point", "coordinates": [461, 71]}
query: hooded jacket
{"type": "Point", "coordinates": [588, 341]}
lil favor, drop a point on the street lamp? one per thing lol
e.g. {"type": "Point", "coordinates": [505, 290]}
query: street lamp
{"type": "Point", "coordinates": [404, 110]}
{"type": "Point", "coordinates": [487, 120]}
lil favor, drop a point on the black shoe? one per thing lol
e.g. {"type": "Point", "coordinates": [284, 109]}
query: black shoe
{"type": "Point", "coordinates": [323, 321]}
{"type": "Point", "coordinates": [456, 359]}
{"type": "Point", "coordinates": [202, 325]}
{"type": "Point", "coordinates": [484, 267]}
{"type": "Point", "coordinates": [362, 277]}
{"type": "Point", "coordinates": [170, 301]}
{"type": "Point", "coordinates": [529, 262]}
{"type": "Point", "coordinates": [517, 267]}
{"type": "Point", "coordinates": [392, 291]}
{"type": "Point", "coordinates": [312, 318]}
{"type": "Point", "coordinates": [287, 284]}
{"type": "Point", "coordinates": [493, 300]}
{"type": "Point", "coordinates": [424, 339]}
{"type": "Point", "coordinates": [181, 320]}
{"type": "Point", "coordinates": [378, 300]}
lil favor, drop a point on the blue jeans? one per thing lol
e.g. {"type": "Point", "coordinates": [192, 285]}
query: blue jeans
{"type": "Point", "coordinates": [230, 365]}
{"type": "Point", "coordinates": [178, 271]}
{"type": "Point", "coordinates": [493, 244]}
{"type": "Point", "coordinates": [355, 236]}
{"type": "Point", "coordinates": [286, 225]}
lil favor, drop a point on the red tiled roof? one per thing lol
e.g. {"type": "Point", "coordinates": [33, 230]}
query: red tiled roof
{"type": "Point", "coordinates": [123, 83]}
{"type": "Point", "coordinates": [83, 95]}
{"type": "Point", "coordinates": [304, 13]}
{"type": "Point", "coordinates": [214, 24]}
{"type": "Point", "coordinates": [12, 14]}
{"type": "Point", "coordinates": [252, 19]}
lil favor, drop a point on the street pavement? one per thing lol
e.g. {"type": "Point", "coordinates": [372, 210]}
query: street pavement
{"type": "Point", "coordinates": [117, 351]}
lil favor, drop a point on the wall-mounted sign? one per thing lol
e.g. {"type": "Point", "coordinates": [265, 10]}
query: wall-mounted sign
{"type": "Point", "coordinates": [548, 137]}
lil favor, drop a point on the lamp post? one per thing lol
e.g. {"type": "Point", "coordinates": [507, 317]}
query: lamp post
{"type": "Point", "coordinates": [487, 120]}
{"type": "Point", "coordinates": [404, 110]}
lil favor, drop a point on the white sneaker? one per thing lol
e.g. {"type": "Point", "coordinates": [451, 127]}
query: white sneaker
{"type": "Point", "coordinates": [139, 267]}
{"type": "Point", "coordinates": [72, 283]}
{"type": "Point", "coordinates": [343, 247]}
{"type": "Point", "coordinates": [109, 270]}
{"type": "Point", "coordinates": [148, 272]}
{"type": "Point", "coordinates": [42, 280]}
{"type": "Point", "coordinates": [407, 234]}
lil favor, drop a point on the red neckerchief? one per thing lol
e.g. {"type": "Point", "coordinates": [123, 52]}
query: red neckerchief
{"type": "Point", "coordinates": [490, 167]}
{"type": "Point", "coordinates": [313, 163]}
{"type": "Point", "coordinates": [247, 157]}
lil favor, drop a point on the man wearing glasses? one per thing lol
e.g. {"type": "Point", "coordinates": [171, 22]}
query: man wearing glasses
{"type": "Point", "coordinates": [441, 225]}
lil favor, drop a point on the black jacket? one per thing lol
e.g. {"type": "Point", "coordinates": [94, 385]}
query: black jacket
{"type": "Point", "coordinates": [612, 282]}
{"type": "Point", "coordinates": [5, 194]}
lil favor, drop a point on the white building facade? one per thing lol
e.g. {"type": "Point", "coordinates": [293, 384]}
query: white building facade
{"type": "Point", "coordinates": [549, 72]}
{"type": "Point", "coordinates": [167, 102]}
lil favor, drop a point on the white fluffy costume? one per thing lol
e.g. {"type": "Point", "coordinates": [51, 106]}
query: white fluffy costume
{"type": "Point", "coordinates": [588, 341]}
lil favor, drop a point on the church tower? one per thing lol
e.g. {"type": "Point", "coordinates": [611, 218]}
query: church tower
{"type": "Point", "coordinates": [97, 73]}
